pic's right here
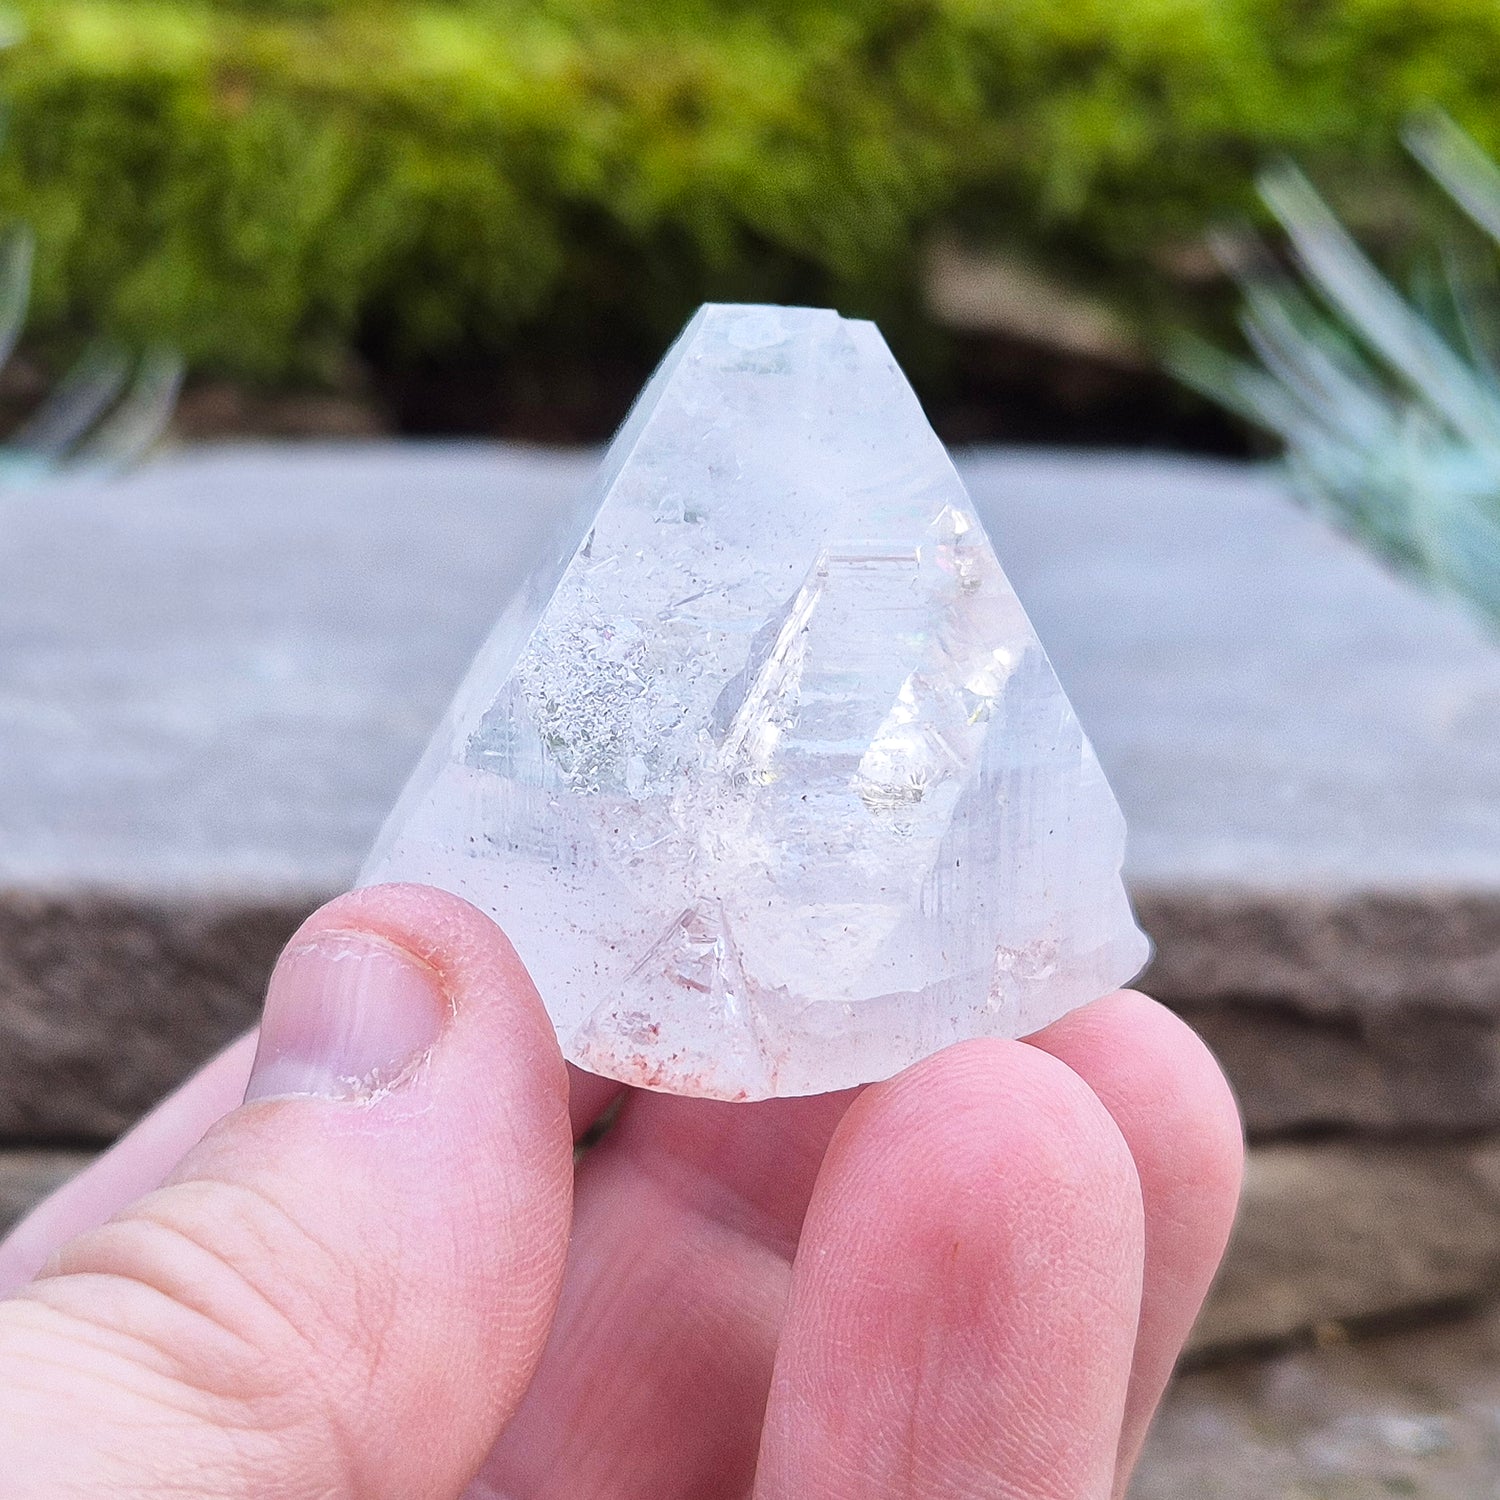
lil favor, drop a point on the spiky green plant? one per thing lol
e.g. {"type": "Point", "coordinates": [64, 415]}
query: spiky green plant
{"type": "Point", "coordinates": [107, 412]}
{"type": "Point", "coordinates": [1388, 404]}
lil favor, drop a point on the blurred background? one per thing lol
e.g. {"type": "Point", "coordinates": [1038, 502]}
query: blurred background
{"type": "Point", "coordinates": [488, 216]}
{"type": "Point", "coordinates": [315, 311]}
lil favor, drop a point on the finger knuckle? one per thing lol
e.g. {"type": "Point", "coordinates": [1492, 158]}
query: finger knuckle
{"type": "Point", "coordinates": [218, 1289]}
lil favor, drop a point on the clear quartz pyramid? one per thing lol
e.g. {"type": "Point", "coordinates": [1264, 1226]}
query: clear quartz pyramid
{"type": "Point", "coordinates": [765, 772]}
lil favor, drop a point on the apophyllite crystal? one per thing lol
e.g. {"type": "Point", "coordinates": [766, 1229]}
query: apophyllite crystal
{"type": "Point", "coordinates": [764, 771]}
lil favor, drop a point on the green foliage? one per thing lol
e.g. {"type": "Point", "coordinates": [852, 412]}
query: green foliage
{"type": "Point", "coordinates": [1389, 407]}
{"type": "Point", "coordinates": [270, 183]}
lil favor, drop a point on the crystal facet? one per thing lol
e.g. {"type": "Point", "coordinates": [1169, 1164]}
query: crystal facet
{"type": "Point", "coordinates": [765, 773]}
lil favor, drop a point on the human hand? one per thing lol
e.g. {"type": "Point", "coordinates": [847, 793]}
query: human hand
{"type": "Point", "coordinates": [971, 1280]}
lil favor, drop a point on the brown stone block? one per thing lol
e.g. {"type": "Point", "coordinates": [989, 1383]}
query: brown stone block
{"type": "Point", "coordinates": [106, 1004]}
{"type": "Point", "coordinates": [1338, 1232]}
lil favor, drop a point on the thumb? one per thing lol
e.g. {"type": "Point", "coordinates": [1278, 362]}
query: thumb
{"type": "Point", "coordinates": [344, 1289]}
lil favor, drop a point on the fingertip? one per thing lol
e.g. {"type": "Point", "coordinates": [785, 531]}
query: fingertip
{"type": "Point", "coordinates": [1006, 1150]}
{"type": "Point", "coordinates": [1178, 1115]}
{"type": "Point", "coordinates": [996, 1111]}
{"type": "Point", "coordinates": [1162, 1084]}
{"type": "Point", "coordinates": [443, 930]}
{"type": "Point", "coordinates": [484, 978]}
{"type": "Point", "coordinates": [966, 1293]}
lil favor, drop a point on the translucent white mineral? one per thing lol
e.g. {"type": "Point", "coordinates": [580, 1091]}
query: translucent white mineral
{"type": "Point", "coordinates": [765, 772]}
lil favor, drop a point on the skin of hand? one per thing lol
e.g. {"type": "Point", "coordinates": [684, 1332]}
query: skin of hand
{"type": "Point", "coordinates": [380, 1277]}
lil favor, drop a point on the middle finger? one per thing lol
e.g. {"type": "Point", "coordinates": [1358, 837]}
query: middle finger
{"type": "Point", "coordinates": [653, 1385]}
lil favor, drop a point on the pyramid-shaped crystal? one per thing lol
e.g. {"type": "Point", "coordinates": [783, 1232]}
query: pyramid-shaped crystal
{"type": "Point", "coordinates": [765, 772]}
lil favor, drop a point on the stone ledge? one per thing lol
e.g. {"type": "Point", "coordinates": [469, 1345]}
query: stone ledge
{"type": "Point", "coordinates": [1327, 955]}
{"type": "Point", "coordinates": [108, 1003]}
{"type": "Point", "coordinates": [1350, 1232]}
{"type": "Point", "coordinates": [1307, 750]}
{"type": "Point", "coordinates": [1420, 1071]}
{"type": "Point", "coordinates": [1369, 1012]}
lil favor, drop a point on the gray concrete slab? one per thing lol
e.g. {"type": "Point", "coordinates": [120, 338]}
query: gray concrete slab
{"type": "Point", "coordinates": [215, 673]}
{"type": "Point", "coordinates": [1415, 1415]}
{"type": "Point", "coordinates": [214, 676]}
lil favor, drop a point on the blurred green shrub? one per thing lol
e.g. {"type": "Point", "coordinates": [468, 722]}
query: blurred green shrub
{"type": "Point", "coordinates": [267, 185]}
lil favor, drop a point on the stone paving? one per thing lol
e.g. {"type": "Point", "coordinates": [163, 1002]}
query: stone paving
{"type": "Point", "coordinates": [1415, 1416]}
{"type": "Point", "coordinates": [214, 676]}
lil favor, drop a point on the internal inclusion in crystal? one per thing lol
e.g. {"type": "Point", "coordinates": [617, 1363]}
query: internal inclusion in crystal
{"type": "Point", "coordinates": [765, 772]}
